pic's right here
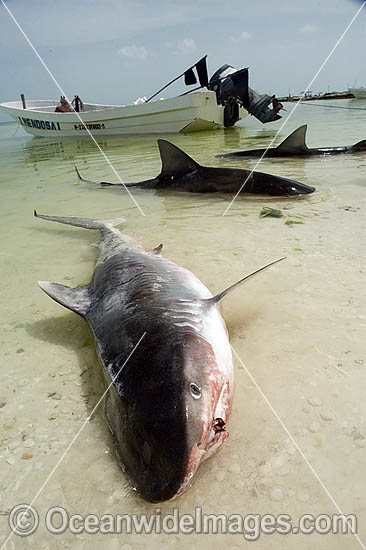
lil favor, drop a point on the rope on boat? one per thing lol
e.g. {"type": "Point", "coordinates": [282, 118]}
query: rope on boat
{"type": "Point", "coordinates": [332, 106]}
{"type": "Point", "coordinates": [17, 128]}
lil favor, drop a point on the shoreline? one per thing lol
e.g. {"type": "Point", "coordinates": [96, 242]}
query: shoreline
{"type": "Point", "coordinates": [328, 95]}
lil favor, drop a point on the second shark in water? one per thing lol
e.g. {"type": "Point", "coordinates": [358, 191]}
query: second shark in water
{"type": "Point", "coordinates": [295, 145]}
{"type": "Point", "coordinates": [180, 172]}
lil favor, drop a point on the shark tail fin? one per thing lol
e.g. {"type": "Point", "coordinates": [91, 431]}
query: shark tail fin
{"type": "Point", "coordinates": [175, 162]}
{"type": "Point", "coordinates": [295, 142]}
{"type": "Point", "coordinates": [216, 299]}
{"type": "Point", "coordinates": [100, 183]}
{"type": "Point", "coordinates": [86, 223]}
{"type": "Point", "coordinates": [78, 175]}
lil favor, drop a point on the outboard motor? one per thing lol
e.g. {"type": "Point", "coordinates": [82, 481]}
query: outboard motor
{"type": "Point", "coordinates": [259, 106]}
{"type": "Point", "coordinates": [232, 90]}
{"type": "Point", "coordinates": [231, 87]}
{"type": "Point", "coordinates": [230, 84]}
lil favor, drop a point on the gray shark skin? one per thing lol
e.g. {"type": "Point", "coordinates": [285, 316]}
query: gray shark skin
{"type": "Point", "coordinates": [180, 172]}
{"type": "Point", "coordinates": [295, 146]}
{"type": "Point", "coordinates": [170, 402]}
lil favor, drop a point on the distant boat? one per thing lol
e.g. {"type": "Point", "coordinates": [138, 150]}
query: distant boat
{"type": "Point", "coordinates": [359, 93]}
{"type": "Point", "coordinates": [228, 100]}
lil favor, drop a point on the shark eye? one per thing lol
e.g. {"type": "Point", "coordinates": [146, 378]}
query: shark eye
{"type": "Point", "coordinates": [195, 390]}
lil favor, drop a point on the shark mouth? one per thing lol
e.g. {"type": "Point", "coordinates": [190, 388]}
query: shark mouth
{"type": "Point", "coordinates": [218, 434]}
{"type": "Point", "coordinates": [213, 436]}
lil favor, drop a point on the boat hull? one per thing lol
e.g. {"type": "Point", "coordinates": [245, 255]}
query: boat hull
{"type": "Point", "coordinates": [189, 113]}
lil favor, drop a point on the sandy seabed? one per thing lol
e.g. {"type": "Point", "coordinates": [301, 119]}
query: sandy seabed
{"type": "Point", "coordinates": [299, 330]}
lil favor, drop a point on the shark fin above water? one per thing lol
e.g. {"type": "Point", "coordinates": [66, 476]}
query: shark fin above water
{"type": "Point", "coordinates": [295, 142]}
{"type": "Point", "coordinates": [175, 162]}
{"type": "Point", "coordinates": [360, 145]}
{"type": "Point", "coordinates": [157, 250]}
{"type": "Point", "coordinates": [216, 299]}
{"type": "Point", "coordinates": [295, 145]}
{"type": "Point", "coordinates": [181, 172]}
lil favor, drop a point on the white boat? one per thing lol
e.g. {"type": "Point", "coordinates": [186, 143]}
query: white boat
{"type": "Point", "coordinates": [228, 100]}
{"type": "Point", "coordinates": [188, 113]}
{"type": "Point", "coordinates": [359, 93]}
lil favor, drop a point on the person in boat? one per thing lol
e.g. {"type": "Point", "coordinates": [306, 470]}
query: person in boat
{"type": "Point", "coordinates": [77, 103]}
{"type": "Point", "coordinates": [64, 106]}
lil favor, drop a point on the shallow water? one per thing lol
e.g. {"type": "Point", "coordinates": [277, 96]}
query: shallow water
{"type": "Point", "coordinates": [298, 328]}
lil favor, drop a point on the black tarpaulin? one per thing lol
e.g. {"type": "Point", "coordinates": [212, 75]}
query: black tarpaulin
{"type": "Point", "coordinates": [190, 77]}
{"type": "Point", "coordinates": [201, 67]}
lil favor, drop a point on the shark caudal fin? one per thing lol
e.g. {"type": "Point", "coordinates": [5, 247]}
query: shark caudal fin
{"type": "Point", "coordinates": [295, 142]}
{"type": "Point", "coordinates": [175, 162]}
{"type": "Point", "coordinates": [216, 299]}
{"type": "Point", "coordinates": [100, 183]}
{"type": "Point", "coordinates": [80, 179]}
{"type": "Point", "coordinates": [85, 223]}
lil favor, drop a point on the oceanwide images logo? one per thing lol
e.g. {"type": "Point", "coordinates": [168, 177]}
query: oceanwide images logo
{"type": "Point", "coordinates": [24, 520]}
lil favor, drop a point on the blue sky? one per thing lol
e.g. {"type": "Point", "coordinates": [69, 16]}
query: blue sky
{"type": "Point", "coordinates": [115, 51]}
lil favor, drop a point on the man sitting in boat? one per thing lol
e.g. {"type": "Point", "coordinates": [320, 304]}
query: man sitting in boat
{"type": "Point", "coordinates": [64, 106]}
{"type": "Point", "coordinates": [77, 103]}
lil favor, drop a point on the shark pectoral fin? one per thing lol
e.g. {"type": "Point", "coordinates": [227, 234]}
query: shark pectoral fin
{"type": "Point", "coordinates": [295, 142]}
{"type": "Point", "coordinates": [216, 299]}
{"type": "Point", "coordinates": [175, 162]}
{"type": "Point", "coordinates": [76, 299]}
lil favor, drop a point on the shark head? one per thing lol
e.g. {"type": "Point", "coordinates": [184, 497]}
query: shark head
{"type": "Point", "coordinates": [146, 415]}
{"type": "Point", "coordinates": [269, 184]}
{"type": "Point", "coordinates": [170, 417]}
{"type": "Point", "coordinates": [207, 396]}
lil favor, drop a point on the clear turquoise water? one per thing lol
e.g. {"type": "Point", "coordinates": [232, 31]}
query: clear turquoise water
{"type": "Point", "coordinates": [299, 328]}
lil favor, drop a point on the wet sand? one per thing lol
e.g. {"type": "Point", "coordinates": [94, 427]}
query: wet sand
{"type": "Point", "coordinates": [299, 329]}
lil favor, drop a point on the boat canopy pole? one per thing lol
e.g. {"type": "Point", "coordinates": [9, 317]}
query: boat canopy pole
{"type": "Point", "coordinates": [190, 91]}
{"type": "Point", "coordinates": [189, 76]}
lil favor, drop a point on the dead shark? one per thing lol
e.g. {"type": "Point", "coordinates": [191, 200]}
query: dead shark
{"type": "Point", "coordinates": [180, 172]}
{"type": "Point", "coordinates": [295, 145]}
{"type": "Point", "coordinates": [169, 404]}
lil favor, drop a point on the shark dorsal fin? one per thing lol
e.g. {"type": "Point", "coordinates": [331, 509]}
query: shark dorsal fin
{"type": "Point", "coordinates": [175, 162]}
{"type": "Point", "coordinates": [295, 142]}
{"type": "Point", "coordinates": [216, 299]}
{"type": "Point", "coordinates": [360, 144]}
{"type": "Point", "coordinates": [157, 250]}
{"type": "Point", "coordinates": [76, 299]}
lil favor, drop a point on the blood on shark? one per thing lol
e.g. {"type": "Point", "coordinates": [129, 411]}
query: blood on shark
{"type": "Point", "coordinates": [295, 145]}
{"type": "Point", "coordinates": [168, 405]}
{"type": "Point", "coordinates": [181, 172]}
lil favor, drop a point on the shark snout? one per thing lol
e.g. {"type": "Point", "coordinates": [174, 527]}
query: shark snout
{"type": "Point", "coordinates": [300, 188]}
